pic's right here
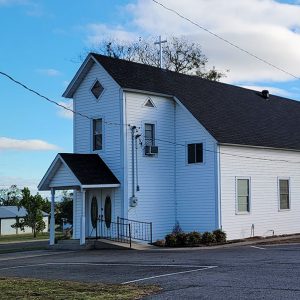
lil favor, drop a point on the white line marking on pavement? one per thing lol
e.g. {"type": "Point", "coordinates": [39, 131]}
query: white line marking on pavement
{"type": "Point", "coordinates": [260, 248]}
{"type": "Point", "coordinates": [126, 264]}
{"type": "Point", "coordinates": [169, 274]}
{"type": "Point", "coordinates": [107, 264]}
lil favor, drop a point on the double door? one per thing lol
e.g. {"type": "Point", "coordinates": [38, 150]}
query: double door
{"type": "Point", "coordinates": [99, 214]}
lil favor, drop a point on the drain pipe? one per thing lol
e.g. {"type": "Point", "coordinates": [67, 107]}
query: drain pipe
{"type": "Point", "coordinates": [252, 231]}
{"type": "Point", "coordinates": [133, 199]}
{"type": "Point", "coordinates": [132, 159]}
{"type": "Point", "coordinates": [136, 162]}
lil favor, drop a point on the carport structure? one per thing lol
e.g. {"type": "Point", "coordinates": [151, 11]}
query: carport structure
{"type": "Point", "coordinates": [83, 173]}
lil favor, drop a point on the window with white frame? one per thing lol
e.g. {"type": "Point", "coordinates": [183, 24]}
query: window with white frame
{"type": "Point", "coordinates": [284, 194]}
{"type": "Point", "coordinates": [97, 134]}
{"type": "Point", "coordinates": [195, 153]}
{"type": "Point", "coordinates": [149, 134]}
{"type": "Point", "coordinates": [243, 195]}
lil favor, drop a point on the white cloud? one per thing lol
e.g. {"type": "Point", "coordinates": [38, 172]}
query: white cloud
{"type": "Point", "coordinates": [266, 28]}
{"type": "Point", "coordinates": [20, 182]}
{"type": "Point", "coordinates": [25, 145]}
{"type": "Point", "coordinates": [7, 181]}
{"type": "Point", "coordinates": [271, 89]}
{"type": "Point", "coordinates": [96, 32]}
{"type": "Point", "coordinates": [49, 72]}
{"type": "Point", "coordinates": [64, 112]}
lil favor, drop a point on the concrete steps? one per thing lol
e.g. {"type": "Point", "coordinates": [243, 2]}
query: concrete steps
{"type": "Point", "coordinates": [69, 245]}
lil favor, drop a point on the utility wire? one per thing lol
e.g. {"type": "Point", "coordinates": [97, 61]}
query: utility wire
{"type": "Point", "coordinates": [112, 123]}
{"type": "Point", "coordinates": [54, 102]}
{"type": "Point", "coordinates": [225, 40]}
{"type": "Point", "coordinates": [234, 155]}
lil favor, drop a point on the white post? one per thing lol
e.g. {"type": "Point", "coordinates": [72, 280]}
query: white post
{"type": "Point", "coordinates": [52, 218]}
{"type": "Point", "coordinates": [74, 213]}
{"type": "Point", "coordinates": [82, 236]}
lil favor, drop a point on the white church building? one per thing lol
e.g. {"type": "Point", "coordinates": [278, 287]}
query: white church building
{"type": "Point", "coordinates": [164, 148]}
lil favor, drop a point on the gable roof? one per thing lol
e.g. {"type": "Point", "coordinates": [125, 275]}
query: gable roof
{"type": "Point", "coordinates": [89, 169]}
{"type": "Point", "coordinates": [7, 212]}
{"type": "Point", "coordinates": [231, 114]}
{"type": "Point", "coordinates": [79, 171]}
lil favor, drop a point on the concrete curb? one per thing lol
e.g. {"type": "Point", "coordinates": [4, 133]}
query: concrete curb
{"type": "Point", "coordinates": [231, 245]}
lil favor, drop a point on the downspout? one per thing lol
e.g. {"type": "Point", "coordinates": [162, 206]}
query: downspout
{"type": "Point", "coordinates": [132, 160]}
{"type": "Point", "coordinates": [136, 162]}
{"type": "Point", "coordinates": [219, 186]}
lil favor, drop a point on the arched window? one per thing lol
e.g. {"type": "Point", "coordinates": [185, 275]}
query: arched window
{"type": "Point", "coordinates": [94, 212]}
{"type": "Point", "coordinates": [107, 211]}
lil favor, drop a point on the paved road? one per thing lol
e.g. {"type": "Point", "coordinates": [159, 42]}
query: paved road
{"type": "Point", "coordinates": [264, 272]}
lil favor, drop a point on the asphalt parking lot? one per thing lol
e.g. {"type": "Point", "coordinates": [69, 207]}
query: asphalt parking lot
{"type": "Point", "coordinates": [249, 272]}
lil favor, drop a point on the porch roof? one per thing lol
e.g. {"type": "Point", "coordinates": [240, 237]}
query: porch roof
{"type": "Point", "coordinates": [75, 171]}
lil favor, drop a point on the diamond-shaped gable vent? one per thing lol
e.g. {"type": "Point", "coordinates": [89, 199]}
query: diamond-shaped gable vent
{"type": "Point", "coordinates": [97, 89]}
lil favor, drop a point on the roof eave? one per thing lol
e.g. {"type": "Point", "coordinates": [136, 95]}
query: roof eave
{"type": "Point", "coordinates": [258, 147]}
{"type": "Point", "coordinates": [98, 186]}
{"type": "Point", "coordinates": [79, 76]}
{"type": "Point", "coordinates": [44, 184]}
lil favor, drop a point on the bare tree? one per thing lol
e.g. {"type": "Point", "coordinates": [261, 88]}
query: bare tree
{"type": "Point", "coordinates": [179, 55]}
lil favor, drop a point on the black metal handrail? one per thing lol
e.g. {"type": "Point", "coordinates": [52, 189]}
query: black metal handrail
{"type": "Point", "coordinates": [114, 231]}
{"type": "Point", "coordinates": [139, 230]}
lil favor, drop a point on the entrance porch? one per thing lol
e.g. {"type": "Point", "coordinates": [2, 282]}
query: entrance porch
{"type": "Point", "coordinates": [97, 196]}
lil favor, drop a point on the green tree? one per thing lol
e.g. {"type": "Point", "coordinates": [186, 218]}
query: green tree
{"type": "Point", "coordinates": [179, 55]}
{"type": "Point", "coordinates": [64, 208]}
{"type": "Point", "coordinates": [34, 216]}
{"type": "Point", "coordinates": [10, 196]}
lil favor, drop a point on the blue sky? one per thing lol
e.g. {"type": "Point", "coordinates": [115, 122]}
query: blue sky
{"type": "Point", "coordinates": [41, 42]}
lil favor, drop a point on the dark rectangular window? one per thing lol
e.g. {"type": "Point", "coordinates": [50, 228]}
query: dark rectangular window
{"type": "Point", "coordinates": [97, 134]}
{"type": "Point", "coordinates": [149, 134]}
{"type": "Point", "coordinates": [284, 193]}
{"type": "Point", "coordinates": [195, 153]}
{"type": "Point", "coordinates": [243, 203]}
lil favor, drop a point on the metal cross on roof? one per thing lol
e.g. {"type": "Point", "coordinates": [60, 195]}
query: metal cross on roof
{"type": "Point", "coordinates": [160, 42]}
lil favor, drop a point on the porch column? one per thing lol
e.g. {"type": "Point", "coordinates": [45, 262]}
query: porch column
{"type": "Point", "coordinates": [52, 218]}
{"type": "Point", "coordinates": [82, 236]}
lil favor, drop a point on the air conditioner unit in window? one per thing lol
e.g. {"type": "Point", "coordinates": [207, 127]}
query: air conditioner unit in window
{"type": "Point", "coordinates": [151, 150]}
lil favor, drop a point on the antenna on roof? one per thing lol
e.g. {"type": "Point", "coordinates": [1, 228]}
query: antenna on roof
{"type": "Point", "coordinates": [160, 42]}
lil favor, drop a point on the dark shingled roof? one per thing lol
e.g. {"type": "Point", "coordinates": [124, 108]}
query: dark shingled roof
{"type": "Point", "coordinates": [231, 114]}
{"type": "Point", "coordinates": [89, 168]}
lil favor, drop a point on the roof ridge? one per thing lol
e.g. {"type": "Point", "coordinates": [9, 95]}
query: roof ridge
{"type": "Point", "coordinates": [187, 75]}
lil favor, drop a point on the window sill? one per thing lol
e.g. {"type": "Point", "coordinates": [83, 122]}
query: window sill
{"type": "Point", "coordinates": [243, 213]}
{"type": "Point", "coordinates": [284, 210]}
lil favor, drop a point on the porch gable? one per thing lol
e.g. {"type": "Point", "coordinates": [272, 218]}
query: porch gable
{"type": "Point", "coordinates": [77, 171]}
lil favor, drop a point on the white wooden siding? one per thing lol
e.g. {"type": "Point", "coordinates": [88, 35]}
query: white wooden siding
{"type": "Point", "coordinates": [63, 177]}
{"type": "Point", "coordinates": [77, 202]}
{"type": "Point", "coordinates": [196, 184]}
{"type": "Point", "coordinates": [170, 189]}
{"type": "Point", "coordinates": [156, 198]}
{"type": "Point", "coordinates": [264, 202]}
{"type": "Point", "coordinates": [107, 107]}
{"type": "Point", "coordinates": [6, 228]}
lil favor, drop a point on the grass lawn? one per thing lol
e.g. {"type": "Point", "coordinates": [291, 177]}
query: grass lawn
{"type": "Point", "coordinates": [16, 288]}
{"type": "Point", "coordinates": [25, 237]}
